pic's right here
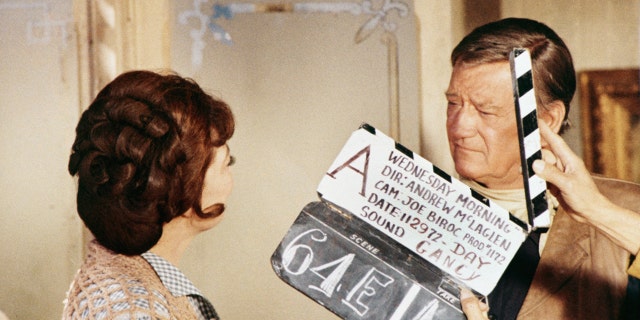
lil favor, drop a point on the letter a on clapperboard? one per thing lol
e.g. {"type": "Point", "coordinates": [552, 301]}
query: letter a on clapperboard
{"type": "Point", "coordinates": [366, 152]}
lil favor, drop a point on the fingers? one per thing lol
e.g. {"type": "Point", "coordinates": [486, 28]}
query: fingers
{"type": "Point", "coordinates": [566, 160]}
{"type": "Point", "coordinates": [557, 161]}
{"type": "Point", "coordinates": [558, 146]}
{"type": "Point", "coordinates": [550, 158]}
{"type": "Point", "coordinates": [546, 171]}
{"type": "Point", "coordinates": [472, 307]}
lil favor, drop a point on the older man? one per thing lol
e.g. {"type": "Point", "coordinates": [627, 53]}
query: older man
{"type": "Point", "coordinates": [573, 271]}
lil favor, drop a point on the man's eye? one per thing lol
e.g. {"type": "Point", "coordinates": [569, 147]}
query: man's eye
{"type": "Point", "coordinates": [232, 160]}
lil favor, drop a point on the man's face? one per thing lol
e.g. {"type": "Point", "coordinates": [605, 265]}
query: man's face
{"type": "Point", "coordinates": [481, 125]}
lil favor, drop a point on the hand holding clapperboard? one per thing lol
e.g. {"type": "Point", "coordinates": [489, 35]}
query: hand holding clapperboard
{"type": "Point", "coordinates": [394, 237]}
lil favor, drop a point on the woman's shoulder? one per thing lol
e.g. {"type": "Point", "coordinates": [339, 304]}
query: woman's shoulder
{"type": "Point", "coordinates": [114, 286]}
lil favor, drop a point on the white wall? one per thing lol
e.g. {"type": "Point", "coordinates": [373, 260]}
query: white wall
{"type": "Point", "coordinates": [299, 85]}
{"type": "Point", "coordinates": [438, 22]}
{"type": "Point", "coordinates": [40, 234]}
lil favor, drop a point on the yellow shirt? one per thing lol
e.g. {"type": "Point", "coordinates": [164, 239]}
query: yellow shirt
{"type": "Point", "coordinates": [634, 270]}
{"type": "Point", "coordinates": [514, 201]}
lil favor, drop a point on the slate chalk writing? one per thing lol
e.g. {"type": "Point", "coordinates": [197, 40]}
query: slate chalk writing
{"type": "Point", "coordinates": [353, 270]}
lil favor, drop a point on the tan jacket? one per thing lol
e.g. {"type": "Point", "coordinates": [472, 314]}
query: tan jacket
{"type": "Point", "coordinates": [581, 274]}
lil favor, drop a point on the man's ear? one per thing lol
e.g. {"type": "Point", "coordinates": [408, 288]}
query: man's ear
{"type": "Point", "coordinates": [553, 115]}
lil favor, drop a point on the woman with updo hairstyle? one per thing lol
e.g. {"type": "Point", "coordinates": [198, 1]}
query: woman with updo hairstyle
{"type": "Point", "coordinates": [152, 163]}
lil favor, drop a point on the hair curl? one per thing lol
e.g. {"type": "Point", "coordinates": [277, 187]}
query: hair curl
{"type": "Point", "coordinates": [141, 152]}
{"type": "Point", "coordinates": [553, 71]}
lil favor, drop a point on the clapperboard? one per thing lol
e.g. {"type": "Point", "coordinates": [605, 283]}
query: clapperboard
{"type": "Point", "coordinates": [529, 135]}
{"type": "Point", "coordinates": [394, 237]}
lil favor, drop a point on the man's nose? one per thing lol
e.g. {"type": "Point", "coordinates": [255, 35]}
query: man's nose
{"type": "Point", "coordinates": [462, 122]}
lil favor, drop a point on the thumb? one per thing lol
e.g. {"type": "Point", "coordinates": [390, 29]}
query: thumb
{"type": "Point", "coordinates": [549, 173]}
{"type": "Point", "coordinates": [472, 307]}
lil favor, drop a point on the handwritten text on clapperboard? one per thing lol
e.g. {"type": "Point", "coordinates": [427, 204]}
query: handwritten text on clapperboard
{"type": "Point", "coordinates": [422, 208]}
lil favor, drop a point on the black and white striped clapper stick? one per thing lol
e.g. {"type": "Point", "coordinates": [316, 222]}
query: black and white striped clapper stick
{"type": "Point", "coordinates": [530, 149]}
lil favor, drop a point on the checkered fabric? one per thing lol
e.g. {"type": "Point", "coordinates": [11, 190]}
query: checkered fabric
{"type": "Point", "coordinates": [179, 285]}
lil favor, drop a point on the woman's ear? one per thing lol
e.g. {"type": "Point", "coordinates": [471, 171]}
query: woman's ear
{"type": "Point", "coordinates": [189, 213]}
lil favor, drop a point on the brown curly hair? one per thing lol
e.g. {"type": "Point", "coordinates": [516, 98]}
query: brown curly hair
{"type": "Point", "coordinates": [141, 152]}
